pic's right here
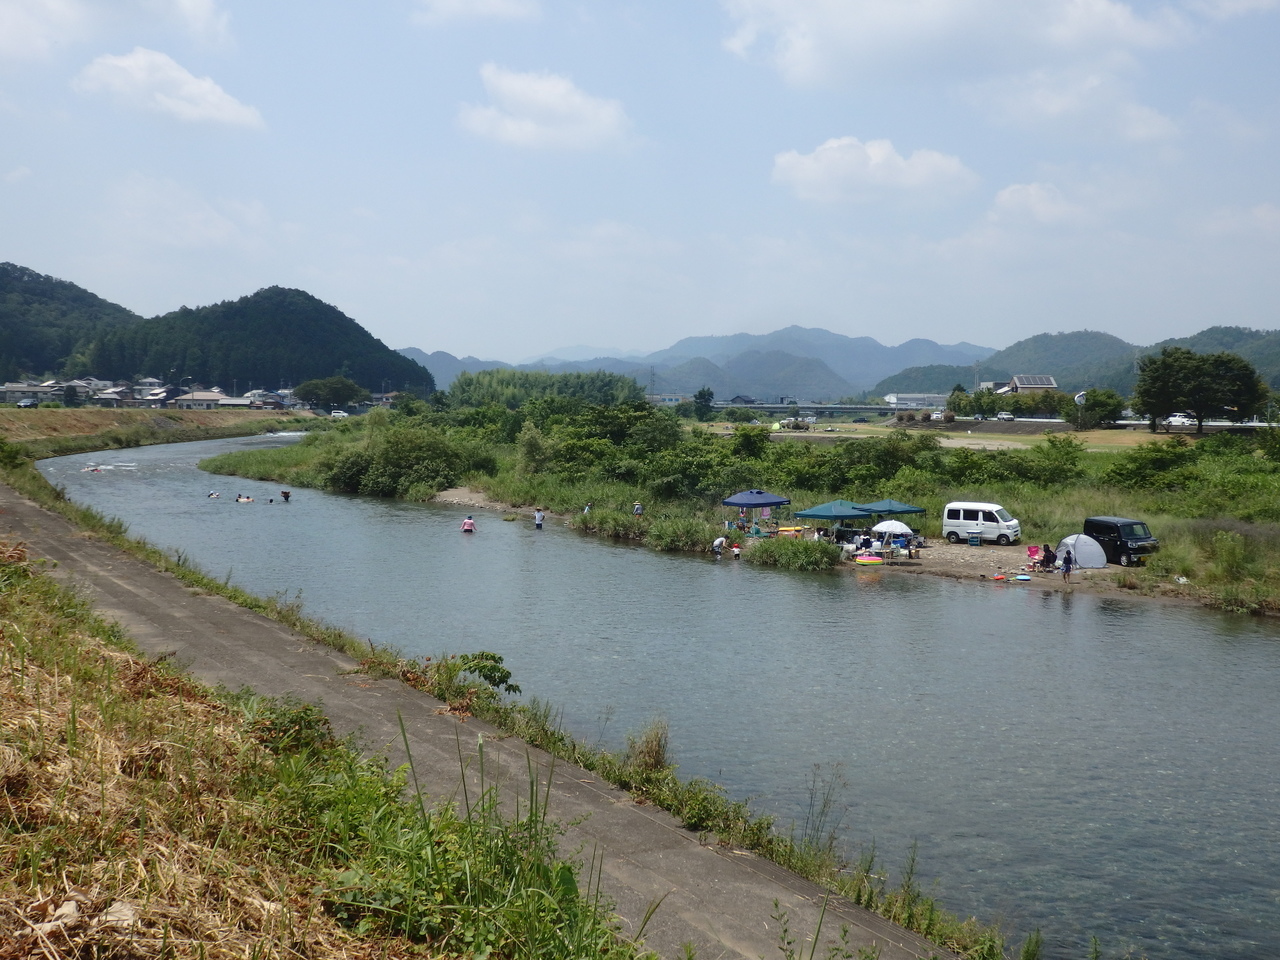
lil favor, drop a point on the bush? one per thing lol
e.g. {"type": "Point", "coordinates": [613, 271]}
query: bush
{"type": "Point", "coordinates": [792, 553]}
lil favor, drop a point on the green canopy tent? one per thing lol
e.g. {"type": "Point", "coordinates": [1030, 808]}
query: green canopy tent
{"type": "Point", "coordinates": [890, 508]}
{"type": "Point", "coordinates": [836, 510]}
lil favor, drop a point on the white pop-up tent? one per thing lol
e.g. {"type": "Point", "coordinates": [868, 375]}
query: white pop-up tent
{"type": "Point", "coordinates": [1086, 551]}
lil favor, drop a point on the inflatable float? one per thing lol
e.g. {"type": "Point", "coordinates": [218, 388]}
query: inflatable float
{"type": "Point", "coordinates": [867, 560]}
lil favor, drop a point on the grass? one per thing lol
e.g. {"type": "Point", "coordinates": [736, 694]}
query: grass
{"type": "Point", "coordinates": [145, 816]}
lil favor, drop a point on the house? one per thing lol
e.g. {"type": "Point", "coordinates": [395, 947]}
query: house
{"type": "Point", "coordinates": [665, 399]}
{"type": "Point", "coordinates": [13, 392]}
{"type": "Point", "coordinates": [1032, 384]}
{"type": "Point", "coordinates": [742, 400]}
{"type": "Point", "coordinates": [200, 400]}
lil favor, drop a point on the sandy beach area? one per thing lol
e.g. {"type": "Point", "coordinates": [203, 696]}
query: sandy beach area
{"type": "Point", "coordinates": [939, 559]}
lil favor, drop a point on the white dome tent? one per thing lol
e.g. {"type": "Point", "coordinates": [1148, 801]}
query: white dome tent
{"type": "Point", "coordinates": [1086, 551]}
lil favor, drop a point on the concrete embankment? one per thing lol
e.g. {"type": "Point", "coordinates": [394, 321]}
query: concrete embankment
{"type": "Point", "coordinates": [717, 900]}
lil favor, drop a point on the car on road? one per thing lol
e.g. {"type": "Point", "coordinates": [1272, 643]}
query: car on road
{"type": "Point", "coordinates": [27, 403]}
{"type": "Point", "coordinates": [1004, 416]}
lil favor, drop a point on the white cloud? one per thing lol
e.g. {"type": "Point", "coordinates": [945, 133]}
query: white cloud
{"type": "Point", "coordinates": [543, 110]}
{"type": "Point", "coordinates": [845, 168]}
{"type": "Point", "coordinates": [442, 11]}
{"type": "Point", "coordinates": [201, 18]}
{"type": "Point", "coordinates": [17, 174]}
{"type": "Point", "coordinates": [813, 40]}
{"type": "Point", "coordinates": [1041, 203]}
{"type": "Point", "coordinates": [1260, 221]}
{"type": "Point", "coordinates": [29, 29]}
{"type": "Point", "coordinates": [1089, 95]}
{"type": "Point", "coordinates": [154, 81]}
{"type": "Point", "coordinates": [163, 213]}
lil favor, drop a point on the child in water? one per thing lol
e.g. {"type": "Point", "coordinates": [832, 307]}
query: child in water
{"type": "Point", "coordinates": [468, 525]}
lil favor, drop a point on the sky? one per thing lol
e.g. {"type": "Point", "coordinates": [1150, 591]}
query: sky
{"type": "Point", "coordinates": [512, 178]}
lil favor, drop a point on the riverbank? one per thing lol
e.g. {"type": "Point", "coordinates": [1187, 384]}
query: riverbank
{"type": "Point", "coordinates": [980, 565]}
{"type": "Point", "coordinates": [721, 900]}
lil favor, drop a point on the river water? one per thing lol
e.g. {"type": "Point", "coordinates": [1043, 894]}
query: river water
{"type": "Point", "coordinates": [1088, 766]}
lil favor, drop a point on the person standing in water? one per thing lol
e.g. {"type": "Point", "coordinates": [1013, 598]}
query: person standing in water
{"type": "Point", "coordinates": [468, 525]}
{"type": "Point", "coordinates": [538, 517]}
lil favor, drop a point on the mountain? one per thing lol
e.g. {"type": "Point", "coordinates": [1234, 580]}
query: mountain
{"type": "Point", "coordinates": [805, 362]}
{"type": "Point", "coordinates": [47, 324]}
{"type": "Point", "coordinates": [1088, 358]}
{"type": "Point", "coordinates": [445, 366]}
{"type": "Point", "coordinates": [275, 337]}
{"type": "Point", "coordinates": [860, 361]}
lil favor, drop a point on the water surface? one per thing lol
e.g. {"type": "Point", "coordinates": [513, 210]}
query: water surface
{"type": "Point", "coordinates": [1084, 765]}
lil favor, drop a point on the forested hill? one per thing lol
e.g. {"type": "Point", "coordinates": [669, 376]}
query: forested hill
{"type": "Point", "coordinates": [275, 337]}
{"type": "Point", "coordinates": [47, 325]}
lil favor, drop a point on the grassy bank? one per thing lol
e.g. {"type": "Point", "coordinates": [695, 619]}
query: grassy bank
{"type": "Point", "coordinates": [145, 816]}
{"type": "Point", "coordinates": [471, 684]}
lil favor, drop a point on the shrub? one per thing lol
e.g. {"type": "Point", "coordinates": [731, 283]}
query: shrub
{"type": "Point", "coordinates": [792, 553]}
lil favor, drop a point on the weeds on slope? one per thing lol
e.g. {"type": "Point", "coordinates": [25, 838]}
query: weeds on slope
{"type": "Point", "coordinates": [143, 816]}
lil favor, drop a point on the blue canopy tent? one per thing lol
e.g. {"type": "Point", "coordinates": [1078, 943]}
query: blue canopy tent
{"type": "Point", "coordinates": [836, 510]}
{"type": "Point", "coordinates": [890, 508]}
{"type": "Point", "coordinates": [751, 499]}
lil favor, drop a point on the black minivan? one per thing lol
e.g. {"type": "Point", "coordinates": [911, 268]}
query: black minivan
{"type": "Point", "coordinates": [1126, 542]}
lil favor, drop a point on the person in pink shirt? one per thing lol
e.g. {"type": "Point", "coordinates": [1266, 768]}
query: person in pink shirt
{"type": "Point", "coordinates": [468, 525]}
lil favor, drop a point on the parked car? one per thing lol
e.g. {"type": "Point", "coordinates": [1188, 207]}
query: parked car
{"type": "Point", "coordinates": [936, 415]}
{"type": "Point", "coordinates": [988, 521]}
{"type": "Point", "coordinates": [860, 420]}
{"type": "Point", "coordinates": [339, 414]}
{"type": "Point", "coordinates": [28, 402]}
{"type": "Point", "coordinates": [978, 417]}
{"type": "Point", "coordinates": [1124, 541]}
{"type": "Point", "coordinates": [1180, 420]}
{"type": "Point", "coordinates": [1004, 415]}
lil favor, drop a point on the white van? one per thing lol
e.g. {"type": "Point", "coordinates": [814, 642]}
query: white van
{"type": "Point", "coordinates": [990, 520]}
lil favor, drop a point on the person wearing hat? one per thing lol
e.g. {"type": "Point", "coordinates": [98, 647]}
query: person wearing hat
{"type": "Point", "coordinates": [468, 525]}
{"type": "Point", "coordinates": [637, 509]}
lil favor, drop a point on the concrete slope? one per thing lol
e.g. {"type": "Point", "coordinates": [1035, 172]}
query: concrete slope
{"type": "Point", "coordinates": [719, 900]}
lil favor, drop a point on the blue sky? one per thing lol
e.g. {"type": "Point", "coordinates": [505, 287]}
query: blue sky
{"type": "Point", "coordinates": [505, 178]}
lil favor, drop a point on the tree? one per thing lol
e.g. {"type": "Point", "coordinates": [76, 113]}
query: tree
{"type": "Point", "coordinates": [1210, 386]}
{"type": "Point", "coordinates": [330, 392]}
{"type": "Point", "coordinates": [702, 403]}
{"type": "Point", "coordinates": [1099, 407]}
{"type": "Point", "coordinates": [1159, 390]}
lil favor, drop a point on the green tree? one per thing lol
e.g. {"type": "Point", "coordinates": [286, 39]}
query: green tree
{"type": "Point", "coordinates": [330, 392]}
{"type": "Point", "coordinates": [1221, 386]}
{"type": "Point", "coordinates": [1099, 407]}
{"type": "Point", "coordinates": [702, 403]}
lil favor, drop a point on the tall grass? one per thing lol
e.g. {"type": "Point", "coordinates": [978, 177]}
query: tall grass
{"type": "Point", "coordinates": [157, 819]}
{"type": "Point", "coordinates": [792, 553]}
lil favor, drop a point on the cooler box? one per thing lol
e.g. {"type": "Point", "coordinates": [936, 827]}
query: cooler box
{"type": "Point", "coordinates": [975, 538]}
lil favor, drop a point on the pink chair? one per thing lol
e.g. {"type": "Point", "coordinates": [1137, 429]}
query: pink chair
{"type": "Point", "coordinates": [1033, 557]}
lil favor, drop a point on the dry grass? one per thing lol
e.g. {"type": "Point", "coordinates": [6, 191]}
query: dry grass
{"type": "Point", "coordinates": [122, 833]}
{"type": "Point", "coordinates": [21, 425]}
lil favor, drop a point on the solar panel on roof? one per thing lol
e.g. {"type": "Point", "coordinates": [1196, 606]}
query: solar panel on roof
{"type": "Point", "coordinates": [1035, 381]}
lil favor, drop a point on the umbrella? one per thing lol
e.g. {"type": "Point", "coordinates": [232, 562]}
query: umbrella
{"type": "Point", "coordinates": [755, 498]}
{"type": "Point", "coordinates": [835, 510]}
{"type": "Point", "coordinates": [887, 507]}
{"type": "Point", "coordinates": [892, 526]}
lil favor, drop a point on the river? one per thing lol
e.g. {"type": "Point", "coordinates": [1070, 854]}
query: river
{"type": "Point", "coordinates": [1089, 766]}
